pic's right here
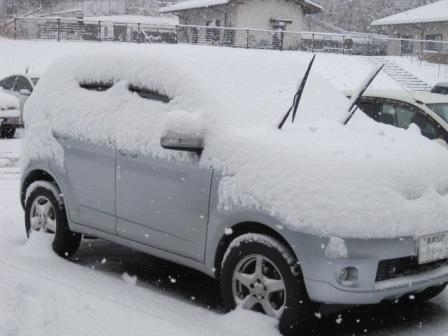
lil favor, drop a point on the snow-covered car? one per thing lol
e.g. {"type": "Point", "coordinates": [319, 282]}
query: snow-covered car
{"type": "Point", "coordinates": [21, 86]}
{"type": "Point", "coordinates": [175, 151]}
{"type": "Point", "coordinates": [9, 115]}
{"type": "Point", "coordinates": [441, 88]}
{"type": "Point", "coordinates": [400, 108]}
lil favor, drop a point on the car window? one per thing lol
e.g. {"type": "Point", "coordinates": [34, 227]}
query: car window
{"type": "Point", "coordinates": [440, 89]}
{"type": "Point", "coordinates": [22, 84]}
{"type": "Point", "coordinates": [404, 116]}
{"type": "Point", "coordinates": [35, 80]}
{"type": "Point", "coordinates": [440, 109]}
{"type": "Point", "coordinates": [401, 115]}
{"type": "Point", "coordinates": [8, 82]}
{"type": "Point", "coordinates": [96, 86]}
{"type": "Point", "coordinates": [370, 108]}
{"type": "Point", "coordinates": [387, 114]}
{"type": "Point", "coordinates": [150, 94]}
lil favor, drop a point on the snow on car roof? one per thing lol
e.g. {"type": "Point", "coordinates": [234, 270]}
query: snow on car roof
{"type": "Point", "coordinates": [191, 4]}
{"type": "Point", "coordinates": [434, 12]}
{"type": "Point", "coordinates": [362, 180]}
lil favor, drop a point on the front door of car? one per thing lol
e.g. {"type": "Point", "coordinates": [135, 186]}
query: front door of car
{"type": "Point", "coordinates": [89, 171]}
{"type": "Point", "coordinates": [163, 204]}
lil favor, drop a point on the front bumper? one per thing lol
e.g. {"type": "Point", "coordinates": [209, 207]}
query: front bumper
{"type": "Point", "coordinates": [321, 271]}
{"type": "Point", "coordinates": [10, 121]}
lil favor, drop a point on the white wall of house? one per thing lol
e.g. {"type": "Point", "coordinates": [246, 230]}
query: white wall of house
{"type": "Point", "coordinates": [253, 14]}
{"type": "Point", "coordinates": [257, 14]}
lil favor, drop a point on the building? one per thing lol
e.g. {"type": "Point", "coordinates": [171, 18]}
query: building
{"type": "Point", "coordinates": [428, 23]}
{"type": "Point", "coordinates": [263, 15]}
{"type": "Point", "coordinates": [119, 7]}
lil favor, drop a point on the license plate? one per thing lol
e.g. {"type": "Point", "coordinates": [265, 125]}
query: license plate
{"type": "Point", "coordinates": [432, 248]}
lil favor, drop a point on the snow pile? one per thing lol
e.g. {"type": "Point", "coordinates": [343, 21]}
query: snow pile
{"type": "Point", "coordinates": [318, 176]}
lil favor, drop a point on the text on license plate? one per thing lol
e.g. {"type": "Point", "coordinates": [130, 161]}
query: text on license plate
{"type": "Point", "coordinates": [433, 247]}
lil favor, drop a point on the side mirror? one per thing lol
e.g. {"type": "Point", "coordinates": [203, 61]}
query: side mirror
{"type": "Point", "coordinates": [183, 143]}
{"type": "Point", "coordinates": [25, 92]}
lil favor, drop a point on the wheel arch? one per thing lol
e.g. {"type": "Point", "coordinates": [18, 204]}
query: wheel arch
{"type": "Point", "coordinates": [241, 229]}
{"type": "Point", "coordinates": [33, 176]}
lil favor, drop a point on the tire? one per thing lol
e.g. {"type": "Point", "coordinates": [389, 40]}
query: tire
{"type": "Point", "coordinates": [7, 132]}
{"type": "Point", "coordinates": [42, 199]}
{"type": "Point", "coordinates": [429, 293]}
{"type": "Point", "coordinates": [290, 305]}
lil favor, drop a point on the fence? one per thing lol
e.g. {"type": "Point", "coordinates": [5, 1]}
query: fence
{"type": "Point", "coordinates": [354, 43]}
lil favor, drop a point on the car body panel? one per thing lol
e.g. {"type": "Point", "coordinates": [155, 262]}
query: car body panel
{"type": "Point", "coordinates": [89, 170]}
{"type": "Point", "coordinates": [163, 204]}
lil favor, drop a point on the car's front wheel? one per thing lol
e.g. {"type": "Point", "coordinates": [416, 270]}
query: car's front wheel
{"type": "Point", "coordinates": [261, 274]}
{"type": "Point", "coordinates": [429, 293]}
{"type": "Point", "coordinates": [7, 132]}
{"type": "Point", "coordinates": [44, 212]}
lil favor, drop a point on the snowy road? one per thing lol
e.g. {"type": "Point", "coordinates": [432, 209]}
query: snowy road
{"type": "Point", "coordinates": [42, 294]}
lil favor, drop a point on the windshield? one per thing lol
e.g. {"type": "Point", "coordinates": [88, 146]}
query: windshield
{"type": "Point", "coordinates": [440, 109]}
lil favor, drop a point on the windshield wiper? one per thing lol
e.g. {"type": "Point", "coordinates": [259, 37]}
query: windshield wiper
{"type": "Point", "coordinates": [355, 99]}
{"type": "Point", "coordinates": [297, 96]}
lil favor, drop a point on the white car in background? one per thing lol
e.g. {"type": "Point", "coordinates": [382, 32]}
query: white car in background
{"type": "Point", "coordinates": [9, 115]}
{"type": "Point", "coordinates": [441, 88]}
{"type": "Point", "coordinates": [400, 108]}
{"type": "Point", "coordinates": [20, 86]}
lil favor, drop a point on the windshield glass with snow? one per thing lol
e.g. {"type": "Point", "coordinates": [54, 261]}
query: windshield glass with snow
{"type": "Point", "coordinates": [440, 109]}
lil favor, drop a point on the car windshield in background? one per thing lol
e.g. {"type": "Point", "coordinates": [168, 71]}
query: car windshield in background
{"type": "Point", "coordinates": [35, 80]}
{"type": "Point", "coordinates": [440, 109]}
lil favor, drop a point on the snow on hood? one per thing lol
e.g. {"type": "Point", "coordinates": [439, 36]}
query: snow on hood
{"type": "Point", "coordinates": [7, 100]}
{"type": "Point", "coordinates": [318, 176]}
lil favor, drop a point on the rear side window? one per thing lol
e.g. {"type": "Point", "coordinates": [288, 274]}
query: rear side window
{"type": "Point", "coordinates": [22, 84]}
{"type": "Point", "coordinates": [8, 82]}
{"type": "Point", "coordinates": [96, 86]}
{"type": "Point", "coordinates": [150, 94]}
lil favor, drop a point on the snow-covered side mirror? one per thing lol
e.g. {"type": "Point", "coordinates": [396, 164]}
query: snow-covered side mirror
{"type": "Point", "coordinates": [183, 131]}
{"type": "Point", "coordinates": [25, 92]}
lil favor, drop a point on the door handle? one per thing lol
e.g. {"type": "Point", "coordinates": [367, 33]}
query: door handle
{"type": "Point", "coordinates": [127, 154]}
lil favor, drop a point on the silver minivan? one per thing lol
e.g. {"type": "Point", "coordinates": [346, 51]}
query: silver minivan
{"type": "Point", "coordinates": [90, 169]}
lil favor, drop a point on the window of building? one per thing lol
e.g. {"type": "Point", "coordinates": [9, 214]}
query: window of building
{"type": "Point", "coordinates": [434, 44]}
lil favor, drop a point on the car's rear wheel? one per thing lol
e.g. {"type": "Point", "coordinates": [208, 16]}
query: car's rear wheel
{"type": "Point", "coordinates": [7, 132]}
{"type": "Point", "coordinates": [44, 211]}
{"type": "Point", "coordinates": [260, 274]}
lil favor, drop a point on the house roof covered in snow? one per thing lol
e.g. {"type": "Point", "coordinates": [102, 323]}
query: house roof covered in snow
{"type": "Point", "coordinates": [309, 6]}
{"type": "Point", "coordinates": [435, 12]}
